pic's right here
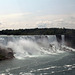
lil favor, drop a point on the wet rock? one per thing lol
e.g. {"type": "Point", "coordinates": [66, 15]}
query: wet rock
{"type": "Point", "coordinates": [70, 41]}
{"type": "Point", "coordinates": [59, 38]}
{"type": "Point", "coordinates": [66, 49]}
{"type": "Point", "coordinates": [6, 53]}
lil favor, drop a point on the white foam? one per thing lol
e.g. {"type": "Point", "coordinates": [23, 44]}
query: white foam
{"type": "Point", "coordinates": [30, 46]}
{"type": "Point", "coordinates": [26, 47]}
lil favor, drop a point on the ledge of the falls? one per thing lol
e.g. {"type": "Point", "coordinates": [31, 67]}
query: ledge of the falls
{"type": "Point", "coordinates": [6, 53]}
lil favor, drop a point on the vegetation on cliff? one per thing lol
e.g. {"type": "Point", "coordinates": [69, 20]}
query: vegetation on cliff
{"type": "Point", "coordinates": [39, 31]}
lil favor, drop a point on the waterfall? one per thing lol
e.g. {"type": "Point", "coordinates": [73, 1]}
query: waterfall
{"type": "Point", "coordinates": [63, 40]}
{"type": "Point", "coordinates": [25, 46]}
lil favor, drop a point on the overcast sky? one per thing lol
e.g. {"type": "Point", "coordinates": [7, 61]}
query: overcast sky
{"type": "Point", "coordinates": [21, 14]}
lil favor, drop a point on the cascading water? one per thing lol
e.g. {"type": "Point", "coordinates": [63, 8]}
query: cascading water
{"type": "Point", "coordinates": [24, 46]}
{"type": "Point", "coordinates": [63, 41]}
{"type": "Point", "coordinates": [27, 46]}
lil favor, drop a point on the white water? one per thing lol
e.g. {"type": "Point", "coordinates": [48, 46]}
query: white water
{"type": "Point", "coordinates": [63, 41]}
{"type": "Point", "coordinates": [30, 46]}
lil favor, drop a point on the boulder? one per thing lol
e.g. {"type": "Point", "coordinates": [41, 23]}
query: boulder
{"type": "Point", "coordinates": [6, 53]}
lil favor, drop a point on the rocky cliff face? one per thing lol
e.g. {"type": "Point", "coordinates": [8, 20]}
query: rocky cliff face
{"type": "Point", "coordinates": [6, 53]}
{"type": "Point", "coordinates": [70, 40]}
{"type": "Point", "coordinates": [59, 38]}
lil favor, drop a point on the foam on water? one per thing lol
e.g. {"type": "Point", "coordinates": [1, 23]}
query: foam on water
{"type": "Point", "coordinates": [31, 46]}
{"type": "Point", "coordinates": [25, 48]}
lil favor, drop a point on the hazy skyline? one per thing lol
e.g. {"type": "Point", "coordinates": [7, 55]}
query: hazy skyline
{"type": "Point", "coordinates": [21, 14]}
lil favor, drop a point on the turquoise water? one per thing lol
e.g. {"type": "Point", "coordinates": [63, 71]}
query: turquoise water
{"type": "Point", "coordinates": [61, 64]}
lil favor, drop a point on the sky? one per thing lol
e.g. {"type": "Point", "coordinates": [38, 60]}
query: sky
{"type": "Point", "coordinates": [26, 14]}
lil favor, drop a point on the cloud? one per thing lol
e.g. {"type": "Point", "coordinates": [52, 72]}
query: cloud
{"type": "Point", "coordinates": [0, 23]}
{"type": "Point", "coordinates": [43, 24]}
{"type": "Point", "coordinates": [67, 22]}
{"type": "Point", "coordinates": [31, 20]}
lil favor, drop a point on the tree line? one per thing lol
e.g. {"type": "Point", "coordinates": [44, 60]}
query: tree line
{"type": "Point", "coordinates": [39, 31]}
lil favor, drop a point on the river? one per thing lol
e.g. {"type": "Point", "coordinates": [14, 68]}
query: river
{"type": "Point", "coordinates": [37, 55]}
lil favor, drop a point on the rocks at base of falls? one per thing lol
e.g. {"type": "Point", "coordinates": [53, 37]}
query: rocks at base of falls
{"type": "Point", "coordinates": [66, 49]}
{"type": "Point", "coordinates": [6, 53]}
